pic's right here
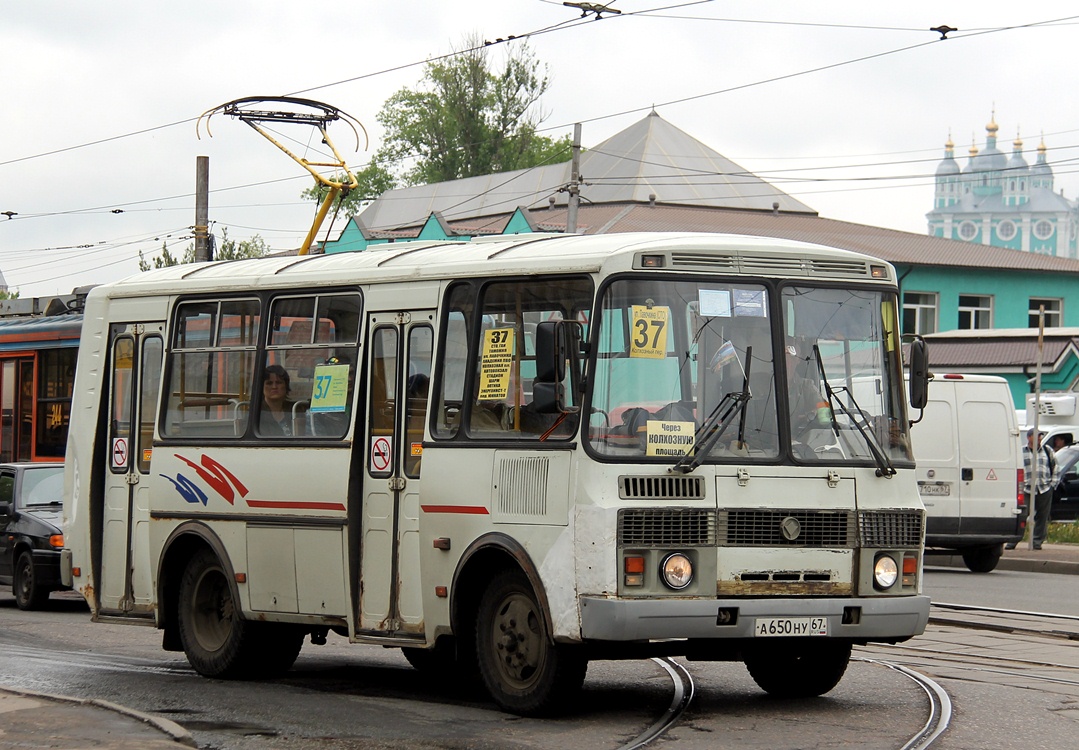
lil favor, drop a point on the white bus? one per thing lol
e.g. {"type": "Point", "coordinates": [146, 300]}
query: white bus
{"type": "Point", "coordinates": [631, 445]}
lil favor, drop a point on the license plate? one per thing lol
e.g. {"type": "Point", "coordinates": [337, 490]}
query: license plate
{"type": "Point", "coordinates": [778, 627]}
{"type": "Point", "coordinates": [938, 489]}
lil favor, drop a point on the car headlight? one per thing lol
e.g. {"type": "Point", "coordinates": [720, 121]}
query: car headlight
{"type": "Point", "coordinates": [885, 572]}
{"type": "Point", "coordinates": [676, 571]}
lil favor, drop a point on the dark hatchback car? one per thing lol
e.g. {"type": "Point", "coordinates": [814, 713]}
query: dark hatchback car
{"type": "Point", "coordinates": [30, 533]}
{"type": "Point", "coordinates": [1066, 496]}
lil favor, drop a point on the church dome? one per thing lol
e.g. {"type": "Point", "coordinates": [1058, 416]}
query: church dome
{"type": "Point", "coordinates": [948, 165]}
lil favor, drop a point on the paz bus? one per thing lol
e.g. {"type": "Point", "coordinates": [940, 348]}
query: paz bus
{"type": "Point", "coordinates": [506, 457]}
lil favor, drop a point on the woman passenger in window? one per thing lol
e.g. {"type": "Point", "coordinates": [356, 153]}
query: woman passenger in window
{"type": "Point", "coordinates": [275, 418]}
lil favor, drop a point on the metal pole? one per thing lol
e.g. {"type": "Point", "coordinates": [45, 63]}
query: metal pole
{"type": "Point", "coordinates": [574, 182]}
{"type": "Point", "coordinates": [1036, 452]}
{"type": "Point", "coordinates": [202, 208]}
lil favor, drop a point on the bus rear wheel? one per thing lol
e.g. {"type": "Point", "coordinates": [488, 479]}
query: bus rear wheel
{"type": "Point", "coordinates": [216, 640]}
{"type": "Point", "coordinates": [525, 672]}
{"type": "Point", "coordinates": [803, 670]}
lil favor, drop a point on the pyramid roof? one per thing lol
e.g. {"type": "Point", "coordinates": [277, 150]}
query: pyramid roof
{"type": "Point", "coordinates": [650, 161]}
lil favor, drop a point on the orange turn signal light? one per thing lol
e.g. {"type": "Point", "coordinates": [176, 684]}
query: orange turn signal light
{"type": "Point", "coordinates": [635, 565]}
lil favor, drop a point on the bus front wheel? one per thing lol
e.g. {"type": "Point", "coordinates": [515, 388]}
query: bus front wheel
{"type": "Point", "coordinates": [215, 638]}
{"type": "Point", "coordinates": [803, 670]}
{"type": "Point", "coordinates": [525, 672]}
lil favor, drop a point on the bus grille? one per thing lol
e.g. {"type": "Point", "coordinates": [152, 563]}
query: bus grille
{"type": "Point", "coordinates": [522, 486]}
{"type": "Point", "coordinates": [661, 488]}
{"type": "Point", "coordinates": [765, 528]}
{"type": "Point", "coordinates": [698, 527]}
{"type": "Point", "coordinates": [891, 528]}
{"type": "Point", "coordinates": [666, 527]}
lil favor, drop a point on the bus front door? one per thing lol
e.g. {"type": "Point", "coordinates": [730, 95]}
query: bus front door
{"type": "Point", "coordinates": [399, 372]}
{"type": "Point", "coordinates": [122, 555]}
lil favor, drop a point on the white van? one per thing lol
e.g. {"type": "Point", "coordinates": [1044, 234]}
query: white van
{"type": "Point", "coordinates": [969, 458]}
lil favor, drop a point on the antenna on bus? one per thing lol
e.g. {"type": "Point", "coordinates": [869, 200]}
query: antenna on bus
{"type": "Point", "coordinates": [305, 112]}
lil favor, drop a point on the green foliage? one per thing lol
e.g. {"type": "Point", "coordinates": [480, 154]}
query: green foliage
{"type": "Point", "coordinates": [229, 249]}
{"type": "Point", "coordinates": [255, 247]}
{"type": "Point", "coordinates": [467, 119]}
{"type": "Point", "coordinates": [372, 181]}
{"type": "Point", "coordinates": [1063, 533]}
{"type": "Point", "coordinates": [9, 294]}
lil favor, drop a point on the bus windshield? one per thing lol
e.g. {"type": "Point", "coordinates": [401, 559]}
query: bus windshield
{"type": "Point", "coordinates": [709, 370]}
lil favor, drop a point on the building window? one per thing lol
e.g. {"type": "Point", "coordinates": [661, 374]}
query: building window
{"type": "Point", "coordinates": [919, 312]}
{"type": "Point", "coordinates": [1006, 230]}
{"type": "Point", "coordinates": [975, 311]}
{"type": "Point", "coordinates": [1043, 229]}
{"type": "Point", "coordinates": [968, 230]}
{"type": "Point", "coordinates": [1054, 312]}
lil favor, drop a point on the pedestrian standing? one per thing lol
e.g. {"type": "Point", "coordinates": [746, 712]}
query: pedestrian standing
{"type": "Point", "coordinates": [1042, 485]}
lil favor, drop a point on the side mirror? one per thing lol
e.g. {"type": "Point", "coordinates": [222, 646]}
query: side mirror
{"type": "Point", "coordinates": [919, 373]}
{"type": "Point", "coordinates": [557, 342]}
{"type": "Point", "coordinates": [5, 510]}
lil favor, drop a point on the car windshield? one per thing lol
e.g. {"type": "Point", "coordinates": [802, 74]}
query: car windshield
{"type": "Point", "coordinates": [1066, 458]}
{"type": "Point", "coordinates": [42, 486]}
{"type": "Point", "coordinates": [734, 371]}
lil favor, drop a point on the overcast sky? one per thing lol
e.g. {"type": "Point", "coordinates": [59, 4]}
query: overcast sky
{"type": "Point", "coordinates": [98, 142]}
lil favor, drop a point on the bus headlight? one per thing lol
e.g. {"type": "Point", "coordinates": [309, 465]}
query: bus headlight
{"type": "Point", "coordinates": [885, 572]}
{"type": "Point", "coordinates": [676, 571]}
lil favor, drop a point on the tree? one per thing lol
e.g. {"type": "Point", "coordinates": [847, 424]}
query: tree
{"type": "Point", "coordinates": [9, 294]}
{"type": "Point", "coordinates": [467, 119]}
{"type": "Point", "coordinates": [255, 247]}
{"type": "Point", "coordinates": [163, 260]}
{"type": "Point", "coordinates": [373, 181]}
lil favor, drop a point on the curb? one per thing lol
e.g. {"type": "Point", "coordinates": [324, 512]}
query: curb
{"type": "Point", "coordinates": [1025, 565]}
{"type": "Point", "coordinates": [176, 732]}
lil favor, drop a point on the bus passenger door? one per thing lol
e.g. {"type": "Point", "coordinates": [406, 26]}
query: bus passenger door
{"type": "Point", "coordinates": [399, 372]}
{"type": "Point", "coordinates": [125, 580]}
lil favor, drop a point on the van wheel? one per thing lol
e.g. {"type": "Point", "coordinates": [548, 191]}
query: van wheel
{"type": "Point", "coordinates": [523, 669]}
{"type": "Point", "coordinates": [805, 670]}
{"type": "Point", "coordinates": [983, 559]}
{"type": "Point", "coordinates": [28, 594]}
{"type": "Point", "coordinates": [217, 641]}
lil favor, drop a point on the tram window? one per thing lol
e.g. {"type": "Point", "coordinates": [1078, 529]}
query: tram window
{"type": "Point", "coordinates": [56, 380]}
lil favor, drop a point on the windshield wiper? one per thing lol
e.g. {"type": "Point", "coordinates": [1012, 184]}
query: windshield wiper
{"type": "Point", "coordinates": [712, 428]}
{"type": "Point", "coordinates": [884, 466]}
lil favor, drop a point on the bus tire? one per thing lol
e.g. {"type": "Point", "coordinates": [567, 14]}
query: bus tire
{"type": "Point", "coordinates": [524, 671]}
{"type": "Point", "coordinates": [805, 670]}
{"type": "Point", "coordinates": [217, 641]}
{"type": "Point", "coordinates": [28, 594]}
{"type": "Point", "coordinates": [982, 559]}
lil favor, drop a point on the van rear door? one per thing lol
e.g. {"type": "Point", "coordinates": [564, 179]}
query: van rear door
{"type": "Point", "coordinates": [988, 458]}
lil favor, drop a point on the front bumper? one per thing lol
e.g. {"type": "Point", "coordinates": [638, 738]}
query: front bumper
{"type": "Point", "coordinates": [47, 569]}
{"type": "Point", "coordinates": [866, 619]}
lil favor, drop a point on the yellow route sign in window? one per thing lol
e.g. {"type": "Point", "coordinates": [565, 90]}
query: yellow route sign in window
{"type": "Point", "coordinates": [649, 334]}
{"type": "Point", "coordinates": [495, 364]}
{"type": "Point", "coordinates": [669, 438]}
{"type": "Point", "coordinates": [329, 392]}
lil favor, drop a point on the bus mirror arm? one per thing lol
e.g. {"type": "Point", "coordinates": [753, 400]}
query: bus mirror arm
{"type": "Point", "coordinates": [557, 342]}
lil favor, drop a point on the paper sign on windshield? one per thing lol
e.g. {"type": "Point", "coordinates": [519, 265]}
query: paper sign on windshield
{"type": "Point", "coordinates": [649, 332]}
{"type": "Point", "coordinates": [329, 391]}
{"type": "Point", "coordinates": [669, 438]}
{"type": "Point", "coordinates": [495, 364]}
